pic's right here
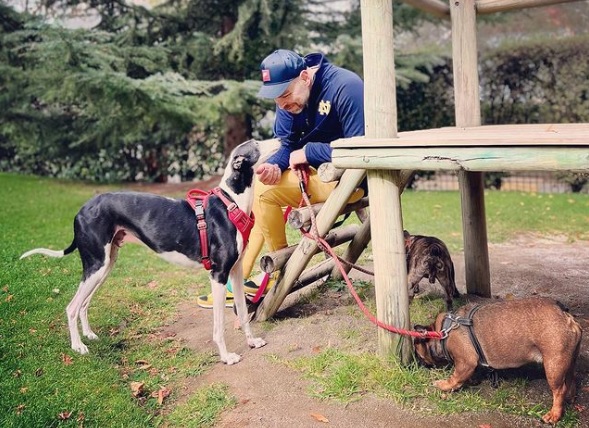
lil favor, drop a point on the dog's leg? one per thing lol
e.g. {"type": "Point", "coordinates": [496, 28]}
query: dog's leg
{"type": "Point", "coordinates": [559, 394]}
{"type": "Point", "coordinates": [219, 294]}
{"type": "Point", "coordinates": [110, 262]}
{"type": "Point", "coordinates": [85, 290]}
{"type": "Point", "coordinates": [557, 371]}
{"type": "Point", "coordinates": [236, 277]}
{"type": "Point", "coordinates": [462, 372]}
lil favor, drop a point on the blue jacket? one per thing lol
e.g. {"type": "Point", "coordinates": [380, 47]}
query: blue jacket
{"type": "Point", "coordinates": [335, 110]}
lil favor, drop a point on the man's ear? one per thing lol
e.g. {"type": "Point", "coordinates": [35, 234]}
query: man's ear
{"type": "Point", "coordinates": [306, 77]}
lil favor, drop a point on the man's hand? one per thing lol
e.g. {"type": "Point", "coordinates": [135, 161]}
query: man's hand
{"type": "Point", "coordinates": [298, 157]}
{"type": "Point", "coordinates": [269, 174]}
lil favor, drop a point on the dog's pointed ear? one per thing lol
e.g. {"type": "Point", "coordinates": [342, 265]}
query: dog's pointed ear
{"type": "Point", "coordinates": [237, 162]}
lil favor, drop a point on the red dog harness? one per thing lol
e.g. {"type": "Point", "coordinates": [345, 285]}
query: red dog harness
{"type": "Point", "coordinates": [198, 201]}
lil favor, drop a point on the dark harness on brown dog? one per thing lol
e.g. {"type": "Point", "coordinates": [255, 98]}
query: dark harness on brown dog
{"type": "Point", "coordinates": [198, 201]}
{"type": "Point", "coordinates": [452, 321]}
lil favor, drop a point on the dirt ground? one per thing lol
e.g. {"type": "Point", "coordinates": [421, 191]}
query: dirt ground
{"type": "Point", "coordinates": [272, 395]}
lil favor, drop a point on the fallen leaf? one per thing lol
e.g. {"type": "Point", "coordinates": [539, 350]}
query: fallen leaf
{"type": "Point", "coordinates": [32, 331]}
{"type": "Point", "coordinates": [316, 349]}
{"type": "Point", "coordinates": [137, 388]}
{"type": "Point", "coordinates": [66, 360]}
{"type": "Point", "coordinates": [64, 416]}
{"type": "Point", "coordinates": [9, 298]}
{"type": "Point", "coordinates": [39, 372]}
{"type": "Point", "coordinates": [143, 365]}
{"type": "Point", "coordinates": [320, 417]}
{"type": "Point", "coordinates": [161, 395]}
{"type": "Point", "coordinates": [485, 426]}
{"type": "Point", "coordinates": [580, 408]}
{"type": "Point", "coordinates": [20, 408]}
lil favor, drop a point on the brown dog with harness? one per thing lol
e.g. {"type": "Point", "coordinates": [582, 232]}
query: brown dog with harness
{"type": "Point", "coordinates": [503, 335]}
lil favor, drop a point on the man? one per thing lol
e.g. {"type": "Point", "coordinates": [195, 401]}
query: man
{"type": "Point", "coordinates": [316, 103]}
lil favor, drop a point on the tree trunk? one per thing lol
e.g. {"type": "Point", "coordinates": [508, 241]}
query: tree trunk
{"type": "Point", "coordinates": [238, 128]}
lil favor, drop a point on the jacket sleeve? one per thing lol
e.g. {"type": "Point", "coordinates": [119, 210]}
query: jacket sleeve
{"type": "Point", "coordinates": [287, 131]}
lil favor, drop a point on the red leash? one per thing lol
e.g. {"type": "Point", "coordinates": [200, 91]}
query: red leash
{"type": "Point", "coordinates": [326, 248]}
{"type": "Point", "coordinates": [266, 278]}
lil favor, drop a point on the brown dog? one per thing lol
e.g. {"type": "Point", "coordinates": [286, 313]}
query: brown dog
{"type": "Point", "coordinates": [428, 257]}
{"type": "Point", "coordinates": [507, 334]}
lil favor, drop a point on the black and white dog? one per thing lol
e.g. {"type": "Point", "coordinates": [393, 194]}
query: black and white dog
{"type": "Point", "coordinates": [169, 227]}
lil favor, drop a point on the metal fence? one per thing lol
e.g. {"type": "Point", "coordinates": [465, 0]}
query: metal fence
{"type": "Point", "coordinates": [539, 182]}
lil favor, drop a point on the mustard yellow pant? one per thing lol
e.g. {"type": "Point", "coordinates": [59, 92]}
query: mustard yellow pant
{"type": "Point", "coordinates": [268, 205]}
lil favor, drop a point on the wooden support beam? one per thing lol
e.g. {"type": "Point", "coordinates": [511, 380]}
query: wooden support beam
{"type": "Point", "coordinates": [434, 7]}
{"type": "Point", "coordinates": [276, 260]}
{"type": "Point", "coordinates": [492, 6]}
{"type": "Point", "coordinates": [300, 217]}
{"type": "Point", "coordinates": [500, 158]}
{"type": "Point", "coordinates": [355, 249]}
{"type": "Point", "coordinates": [468, 113]}
{"type": "Point", "coordinates": [314, 273]}
{"type": "Point", "coordinates": [327, 172]}
{"type": "Point", "coordinates": [380, 112]}
{"type": "Point", "coordinates": [305, 250]}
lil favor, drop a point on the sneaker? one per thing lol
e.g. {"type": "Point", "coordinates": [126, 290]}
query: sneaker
{"type": "Point", "coordinates": [206, 300]}
{"type": "Point", "coordinates": [251, 287]}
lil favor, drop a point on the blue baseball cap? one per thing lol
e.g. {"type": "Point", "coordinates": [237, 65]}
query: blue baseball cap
{"type": "Point", "coordinates": [279, 69]}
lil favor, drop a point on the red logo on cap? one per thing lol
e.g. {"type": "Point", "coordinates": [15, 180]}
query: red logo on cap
{"type": "Point", "coordinates": [266, 75]}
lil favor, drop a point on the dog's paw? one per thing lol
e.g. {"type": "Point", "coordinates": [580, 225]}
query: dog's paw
{"type": "Point", "coordinates": [444, 385]}
{"type": "Point", "coordinates": [91, 335]}
{"type": "Point", "coordinates": [231, 358]}
{"type": "Point", "coordinates": [256, 342]}
{"type": "Point", "coordinates": [80, 348]}
{"type": "Point", "coordinates": [552, 417]}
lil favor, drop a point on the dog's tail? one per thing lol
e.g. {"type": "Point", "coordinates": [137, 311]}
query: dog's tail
{"type": "Point", "coordinates": [51, 253]}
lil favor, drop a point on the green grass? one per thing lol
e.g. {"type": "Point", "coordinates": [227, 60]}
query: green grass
{"type": "Point", "coordinates": [345, 376]}
{"type": "Point", "coordinates": [45, 384]}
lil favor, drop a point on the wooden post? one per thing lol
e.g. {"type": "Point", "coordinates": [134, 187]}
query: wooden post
{"type": "Point", "coordinates": [468, 113]}
{"type": "Point", "coordinates": [380, 112]}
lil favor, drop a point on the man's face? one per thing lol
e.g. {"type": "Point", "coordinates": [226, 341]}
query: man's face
{"type": "Point", "coordinates": [296, 96]}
